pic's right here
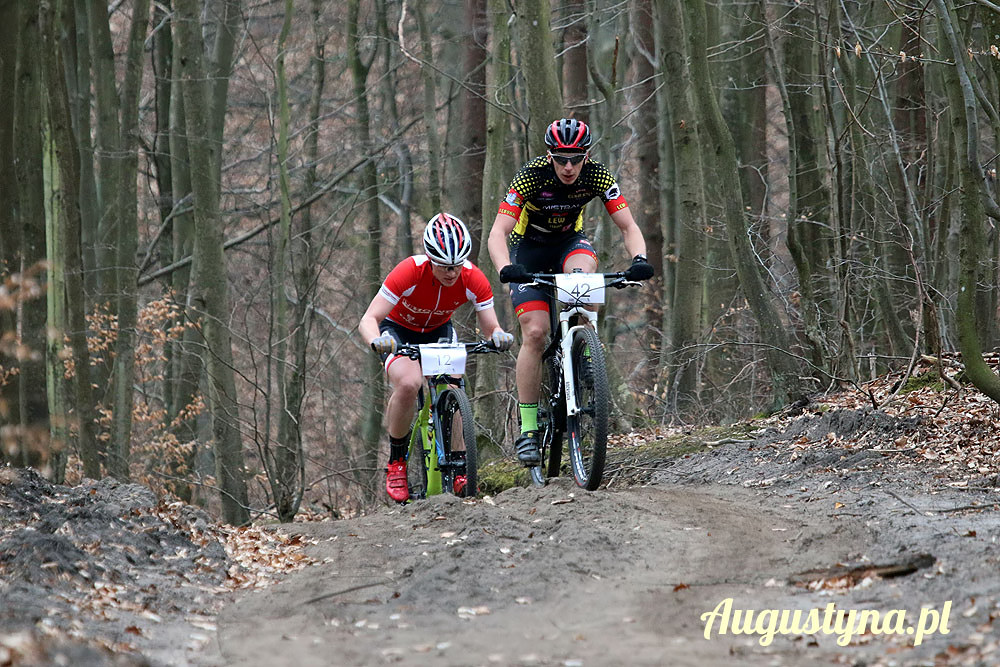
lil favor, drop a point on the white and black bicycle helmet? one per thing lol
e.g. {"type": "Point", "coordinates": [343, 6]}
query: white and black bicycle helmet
{"type": "Point", "coordinates": [447, 240]}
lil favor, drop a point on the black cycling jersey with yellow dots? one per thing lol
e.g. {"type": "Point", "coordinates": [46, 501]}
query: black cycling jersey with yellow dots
{"type": "Point", "coordinates": [546, 209]}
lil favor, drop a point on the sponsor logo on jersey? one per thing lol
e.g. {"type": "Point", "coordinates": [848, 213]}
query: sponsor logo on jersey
{"type": "Point", "coordinates": [614, 192]}
{"type": "Point", "coordinates": [426, 311]}
{"type": "Point", "coordinates": [513, 199]}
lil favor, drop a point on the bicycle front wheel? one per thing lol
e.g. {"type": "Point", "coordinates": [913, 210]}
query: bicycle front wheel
{"type": "Point", "coordinates": [458, 438]}
{"type": "Point", "coordinates": [416, 464]}
{"type": "Point", "coordinates": [588, 428]}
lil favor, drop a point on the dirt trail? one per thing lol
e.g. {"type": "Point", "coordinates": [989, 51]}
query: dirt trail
{"type": "Point", "coordinates": [551, 577]}
{"type": "Point", "coordinates": [561, 576]}
{"type": "Point", "coordinates": [101, 574]}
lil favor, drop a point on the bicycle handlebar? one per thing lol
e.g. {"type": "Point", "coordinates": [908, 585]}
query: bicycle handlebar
{"type": "Point", "coordinates": [412, 350]}
{"type": "Point", "coordinates": [616, 279]}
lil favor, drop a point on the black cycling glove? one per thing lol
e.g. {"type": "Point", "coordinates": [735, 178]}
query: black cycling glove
{"type": "Point", "coordinates": [515, 273]}
{"type": "Point", "coordinates": [640, 269]}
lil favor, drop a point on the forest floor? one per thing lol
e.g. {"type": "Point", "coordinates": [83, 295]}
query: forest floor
{"type": "Point", "coordinates": [829, 508]}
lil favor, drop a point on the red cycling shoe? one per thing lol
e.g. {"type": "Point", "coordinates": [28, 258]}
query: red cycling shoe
{"type": "Point", "coordinates": [460, 482]}
{"type": "Point", "coordinates": [395, 481]}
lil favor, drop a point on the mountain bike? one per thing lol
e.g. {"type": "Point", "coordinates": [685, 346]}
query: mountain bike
{"type": "Point", "coordinates": [442, 457]}
{"type": "Point", "coordinates": [575, 399]}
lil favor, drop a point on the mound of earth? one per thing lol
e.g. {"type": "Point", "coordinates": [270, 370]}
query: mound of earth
{"type": "Point", "coordinates": [101, 573]}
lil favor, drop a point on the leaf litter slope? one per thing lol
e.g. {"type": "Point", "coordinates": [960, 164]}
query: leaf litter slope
{"type": "Point", "coordinates": [104, 574]}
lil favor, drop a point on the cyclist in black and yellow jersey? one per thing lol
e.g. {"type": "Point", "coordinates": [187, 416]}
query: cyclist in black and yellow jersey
{"type": "Point", "coordinates": [542, 218]}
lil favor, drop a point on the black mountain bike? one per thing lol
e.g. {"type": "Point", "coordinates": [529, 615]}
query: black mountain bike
{"type": "Point", "coordinates": [575, 399]}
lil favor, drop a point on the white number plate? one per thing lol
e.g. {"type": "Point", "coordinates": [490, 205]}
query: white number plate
{"type": "Point", "coordinates": [442, 359]}
{"type": "Point", "coordinates": [580, 287]}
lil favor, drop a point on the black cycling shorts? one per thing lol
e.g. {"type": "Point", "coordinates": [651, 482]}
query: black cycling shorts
{"type": "Point", "coordinates": [405, 336]}
{"type": "Point", "coordinates": [539, 257]}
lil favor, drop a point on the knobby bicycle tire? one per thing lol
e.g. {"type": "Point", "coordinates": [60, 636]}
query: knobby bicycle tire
{"type": "Point", "coordinates": [551, 425]}
{"type": "Point", "coordinates": [416, 468]}
{"type": "Point", "coordinates": [588, 429]}
{"type": "Point", "coordinates": [452, 403]}
{"type": "Point", "coordinates": [555, 419]}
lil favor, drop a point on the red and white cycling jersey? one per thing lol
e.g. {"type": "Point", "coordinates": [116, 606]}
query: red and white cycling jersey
{"type": "Point", "coordinates": [421, 303]}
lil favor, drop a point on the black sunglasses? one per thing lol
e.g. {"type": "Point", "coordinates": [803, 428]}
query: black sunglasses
{"type": "Point", "coordinates": [576, 158]}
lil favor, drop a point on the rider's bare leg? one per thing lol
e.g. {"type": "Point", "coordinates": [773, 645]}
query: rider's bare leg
{"type": "Point", "coordinates": [528, 371]}
{"type": "Point", "coordinates": [406, 379]}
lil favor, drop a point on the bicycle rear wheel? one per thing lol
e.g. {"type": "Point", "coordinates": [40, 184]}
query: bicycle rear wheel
{"type": "Point", "coordinates": [458, 431]}
{"type": "Point", "coordinates": [551, 426]}
{"type": "Point", "coordinates": [588, 429]}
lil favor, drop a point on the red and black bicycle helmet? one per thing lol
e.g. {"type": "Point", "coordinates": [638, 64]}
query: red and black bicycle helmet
{"type": "Point", "coordinates": [567, 133]}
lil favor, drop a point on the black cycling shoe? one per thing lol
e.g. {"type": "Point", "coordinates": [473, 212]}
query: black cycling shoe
{"type": "Point", "coordinates": [527, 449]}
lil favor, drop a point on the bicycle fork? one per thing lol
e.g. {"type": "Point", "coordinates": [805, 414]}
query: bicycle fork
{"type": "Point", "coordinates": [566, 348]}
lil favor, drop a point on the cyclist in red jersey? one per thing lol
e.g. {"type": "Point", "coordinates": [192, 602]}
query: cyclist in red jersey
{"type": "Point", "coordinates": [415, 305]}
{"type": "Point", "coordinates": [542, 218]}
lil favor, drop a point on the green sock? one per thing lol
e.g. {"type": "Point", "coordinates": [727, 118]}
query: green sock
{"type": "Point", "coordinates": [529, 416]}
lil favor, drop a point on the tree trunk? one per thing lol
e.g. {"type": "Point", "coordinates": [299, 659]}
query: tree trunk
{"type": "Point", "coordinates": [467, 184]}
{"type": "Point", "coordinates": [755, 290]}
{"type": "Point", "coordinates": [127, 245]}
{"type": "Point", "coordinates": [30, 414]}
{"type": "Point", "coordinates": [163, 87]}
{"type": "Point", "coordinates": [210, 295]}
{"type": "Point", "coordinates": [305, 274]}
{"type": "Point", "coordinates": [81, 103]}
{"type": "Point", "coordinates": [374, 393]}
{"type": "Point", "coordinates": [430, 110]}
{"type": "Point", "coordinates": [491, 410]}
{"type": "Point", "coordinates": [534, 38]}
{"type": "Point", "coordinates": [964, 110]}
{"type": "Point", "coordinates": [404, 159]}
{"type": "Point", "coordinates": [647, 209]}
{"type": "Point", "coordinates": [55, 230]}
{"type": "Point", "coordinates": [808, 242]}
{"type": "Point", "coordinates": [575, 67]}
{"type": "Point", "coordinates": [69, 249]}
{"type": "Point", "coordinates": [286, 457]}
{"type": "Point", "coordinates": [8, 179]}
{"type": "Point", "coordinates": [107, 151]}
{"type": "Point", "coordinates": [686, 323]}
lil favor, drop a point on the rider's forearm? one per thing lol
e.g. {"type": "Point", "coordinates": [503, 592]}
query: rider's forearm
{"type": "Point", "coordinates": [496, 244]}
{"type": "Point", "coordinates": [368, 330]}
{"type": "Point", "coordinates": [635, 244]}
{"type": "Point", "coordinates": [488, 322]}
